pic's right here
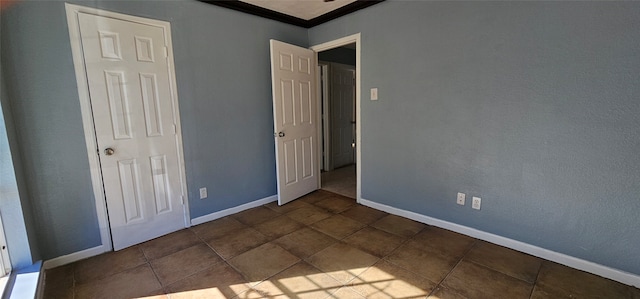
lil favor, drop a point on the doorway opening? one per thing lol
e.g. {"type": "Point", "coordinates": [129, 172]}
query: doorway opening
{"type": "Point", "coordinates": [338, 87]}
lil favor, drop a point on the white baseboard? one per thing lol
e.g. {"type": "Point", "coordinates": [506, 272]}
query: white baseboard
{"type": "Point", "coordinates": [229, 211]}
{"type": "Point", "coordinates": [73, 257]}
{"type": "Point", "coordinates": [573, 262]}
{"type": "Point", "coordinates": [87, 253]}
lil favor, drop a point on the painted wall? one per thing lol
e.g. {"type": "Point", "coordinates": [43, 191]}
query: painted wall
{"type": "Point", "coordinates": [14, 209]}
{"type": "Point", "coordinates": [340, 55]}
{"type": "Point", "coordinates": [38, 74]}
{"type": "Point", "coordinates": [532, 106]}
{"type": "Point", "coordinates": [223, 77]}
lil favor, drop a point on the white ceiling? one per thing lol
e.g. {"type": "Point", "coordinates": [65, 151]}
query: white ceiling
{"type": "Point", "coordinates": [303, 9]}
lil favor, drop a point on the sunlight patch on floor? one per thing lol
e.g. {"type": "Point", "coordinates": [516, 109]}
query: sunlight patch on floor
{"type": "Point", "coordinates": [371, 282]}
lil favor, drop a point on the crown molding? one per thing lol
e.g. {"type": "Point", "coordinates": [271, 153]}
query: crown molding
{"type": "Point", "coordinates": [278, 16]}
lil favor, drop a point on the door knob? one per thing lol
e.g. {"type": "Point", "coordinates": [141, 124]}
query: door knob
{"type": "Point", "coordinates": [281, 134]}
{"type": "Point", "coordinates": [109, 151]}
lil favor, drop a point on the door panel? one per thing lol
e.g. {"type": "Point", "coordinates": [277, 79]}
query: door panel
{"type": "Point", "coordinates": [295, 123]}
{"type": "Point", "coordinates": [342, 121]}
{"type": "Point", "coordinates": [307, 157]}
{"type": "Point", "coordinates": [150, 100]}
{"type": "Point", "coordinates": [129, 84]}
{"type": "Point", "coordinates": [130, 182]}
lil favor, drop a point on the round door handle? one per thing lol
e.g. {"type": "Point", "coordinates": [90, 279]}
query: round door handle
{"type": "Point", "coordinates": [109, 151]}
{"type": "Point", "coordinates": [281, 134]}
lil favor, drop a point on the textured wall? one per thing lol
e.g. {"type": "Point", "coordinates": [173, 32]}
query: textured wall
{"type": "Point", "coordinates": [223, 76]}
{"type": "Point", "coordinates": [14, 220]}
{"type": "Point", "coordinates": [40, 87]}
{"type": "Point", "coordinates": [532, 106]}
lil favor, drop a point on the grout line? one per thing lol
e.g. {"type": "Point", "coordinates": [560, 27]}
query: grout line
{"type": "Point", "coordinates": [212, 249]}
{"type": "Point", "coordinates": [156, 275]}
{"type": "Point", "coordinates": [73, 281]}
{"type": "Point", "coordinates": [146, 258]}
{"type": "Point", "coordinates": [478, 243]}
{"type": "Point", "coordinates": [273, 275]}
{"type": "Point", "coordinates": [148, 262]}
{"type": "Point", "coordinates": [535, 281]}
{"type": "Point", "coordinates": [439, 285]}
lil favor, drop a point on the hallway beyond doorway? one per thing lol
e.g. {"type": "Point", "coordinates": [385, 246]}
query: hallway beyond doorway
{"type": "Point", "coordinates": [341, 181]}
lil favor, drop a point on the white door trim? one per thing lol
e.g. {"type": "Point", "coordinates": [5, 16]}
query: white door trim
{"type": "Point", "coordinates": [5, 262]}
{"type": "Point", "coordinates": [323, 157]}
{"type": "Point", "coordinates": [355, 38]}
{"type": "Point", "coordinates": [87, 115]}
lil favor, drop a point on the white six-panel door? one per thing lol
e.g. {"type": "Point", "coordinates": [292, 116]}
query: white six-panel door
{"type": "Point", "coordinates": [295, 120]}
{"type": "Point", "coordinates": [135, 126]}
{"type": "Point", "coordinates": [342, 103]}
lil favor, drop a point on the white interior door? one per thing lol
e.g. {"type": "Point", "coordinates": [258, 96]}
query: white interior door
{"type": "Point", "coordinates": [135, 124]}
{"type": "Point", "coordinates": [295, 120]}
{"type": "Point", "coordinates": [342, 104]}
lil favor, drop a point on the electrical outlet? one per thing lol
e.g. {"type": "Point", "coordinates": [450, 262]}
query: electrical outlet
{"type": "Point", "coordinates": [475, 202]}
{"type": "Point", "coordinates": [203, 193]}
{"type": "Point", "coordinates": [461, 198]}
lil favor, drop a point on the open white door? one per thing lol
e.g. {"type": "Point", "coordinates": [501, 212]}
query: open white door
{"type": "Point", "coordinates": [295, 120]}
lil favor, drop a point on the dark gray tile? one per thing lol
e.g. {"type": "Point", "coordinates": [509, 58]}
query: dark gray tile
{"type": "Point", "coordinates": [338, 226]}
{"type": "Point", "coordinates": [169, 244]}
{"type": "Point", "coordinates": [475, 281]}
{"type": "Point", "coordinates": [399, 225]}
{"type": "Point", "coordinates": [237, 242]}
{"type": "Point", "coordinates": [305, 242]}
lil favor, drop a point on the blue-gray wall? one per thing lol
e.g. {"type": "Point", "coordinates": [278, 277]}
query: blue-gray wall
{"type": "Point", "coordinates": [39, 81]}
{"type": "Point", "coordinates": [223, 77]}
{"type": "Point", "coordinates": [533, 106]}
{"type": "Point", "coordinates": [530, 105]}
{"type": "Point", "coordinates": [15, 209]}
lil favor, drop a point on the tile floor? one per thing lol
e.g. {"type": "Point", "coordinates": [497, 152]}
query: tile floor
{"type": "Point", "coordinates": [341, 181]}
{"type": "Point", "coordinates": [322, 246]}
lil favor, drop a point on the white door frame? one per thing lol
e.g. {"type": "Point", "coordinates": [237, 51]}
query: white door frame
{"type": "Point", "coordinates": [87, 115]}
{"type": "Point", "coordinates": [5, 262]}
{"type": "Point", "coordinates": [355, 38]}
{"type": "Point", "coordinates": [323, 156]}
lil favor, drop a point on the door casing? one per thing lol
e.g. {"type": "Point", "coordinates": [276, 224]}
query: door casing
{"type": "Point", "coordinates": [324, 159]}
{"type": "Point", "coordinates": [87, 115]}
{"type": "Point", "coordinates": [355, 38]}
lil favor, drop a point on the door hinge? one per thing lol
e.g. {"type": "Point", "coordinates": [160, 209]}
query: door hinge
{"type": "Point", "coordinates": [166, 52]}
{"type": "Point", "coordinates": [174, 129]}
{"type": "Point", "coordinates": [182, 199]}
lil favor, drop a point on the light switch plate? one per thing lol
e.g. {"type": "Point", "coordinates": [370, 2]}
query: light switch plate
{"type": "Point", "coordinates": [374, 94]}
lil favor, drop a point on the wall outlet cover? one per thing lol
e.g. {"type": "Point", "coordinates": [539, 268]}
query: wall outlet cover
{"type": "Point", "coordinates": [475, 202]}
{"type": "Point", "coordinates": [461, 198]}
